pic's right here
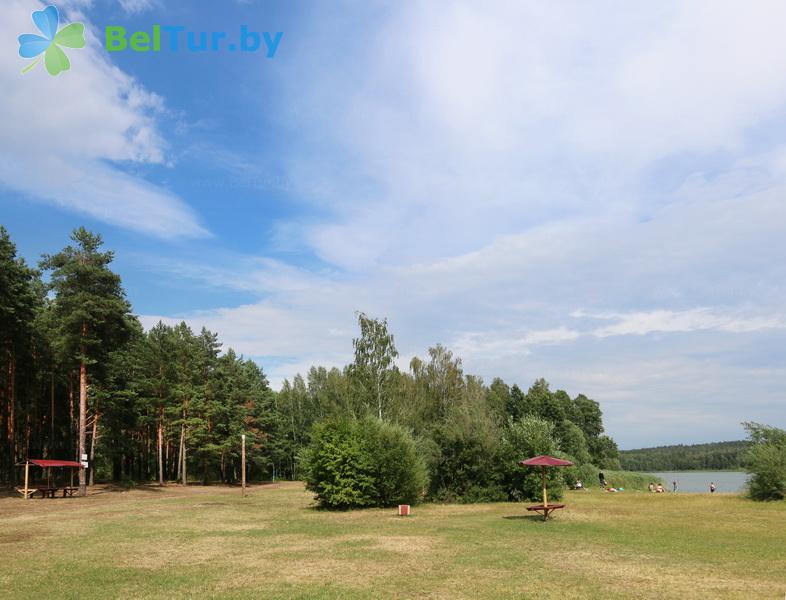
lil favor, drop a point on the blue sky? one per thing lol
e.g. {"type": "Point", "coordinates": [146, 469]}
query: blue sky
{"type": "Point", "coordinates": [593, 194]}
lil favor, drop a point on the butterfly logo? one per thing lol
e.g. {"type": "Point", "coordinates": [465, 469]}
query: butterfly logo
{"type": "Point", "coordinates": [32, 45]}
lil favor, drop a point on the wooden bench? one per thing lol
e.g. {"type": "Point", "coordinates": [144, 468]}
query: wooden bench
{"type": "Point", "coordinates": [545, 509]}
{"type": "Point", "coordinates": [48, 492]}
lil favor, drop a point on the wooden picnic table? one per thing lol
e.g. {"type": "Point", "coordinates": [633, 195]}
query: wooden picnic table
{"type": "Point", "coordinates": [51, 492]}
{"type": "Point", "coordinates": [545, 509]}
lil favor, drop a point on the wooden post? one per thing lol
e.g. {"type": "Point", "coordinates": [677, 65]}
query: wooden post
{"type": "Point", "coordinates": [27, 472]}
{"type": "Point", "coordinates": [243, 463]}
{"type": "Point", "coordinates": [545, 497]}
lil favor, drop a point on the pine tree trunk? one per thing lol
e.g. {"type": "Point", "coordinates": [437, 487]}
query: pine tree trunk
{"type": "Point", "coordinates": [179, 460]}
{"type": "Point", "coordinates": [160, 448]}
{"type": "Point", "coordinates": [185, 452]}
{"type": "Point", "coordinates": [93, 441]}
{"type": "Point", "coordinates": [11, 399]}
{"type": "Point", "coordinates": [5, 465]}
{"type": "Point", "coordinates": [82, 419]}
{"type": "Point", "coordinates": [181, 451]}
{"type": "Point", "coordinates": [52, 413]}
{"type": "Point", "coordinates": [71, 412]}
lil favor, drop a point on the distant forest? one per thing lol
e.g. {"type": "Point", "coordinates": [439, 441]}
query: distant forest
{"type": "Point", "coordinates": [717, 455]}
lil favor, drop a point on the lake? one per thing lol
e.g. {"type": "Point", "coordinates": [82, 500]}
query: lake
{"type": "Point", "coordinates": [699, 481]}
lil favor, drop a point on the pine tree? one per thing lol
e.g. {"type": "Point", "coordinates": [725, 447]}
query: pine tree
{"type": "Point", "coordinates": [90, 309]}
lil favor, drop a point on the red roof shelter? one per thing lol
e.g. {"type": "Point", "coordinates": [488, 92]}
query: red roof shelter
{"type": "Point", "coordinates": [544, 461]}
{"type": "Point", "coordinates": [55, 463]}
{"type": "Point", "coordinates": [48, 491]}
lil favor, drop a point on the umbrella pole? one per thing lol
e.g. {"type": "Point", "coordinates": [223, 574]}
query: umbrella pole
{"type": "Point", "coordinates": [545, 497]}
{"type": "Point", "coordinates": [27, 471]}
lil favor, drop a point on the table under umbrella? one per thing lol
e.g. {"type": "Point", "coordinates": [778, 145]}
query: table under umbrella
{"type": "Point", "coordinates": [544, 461]}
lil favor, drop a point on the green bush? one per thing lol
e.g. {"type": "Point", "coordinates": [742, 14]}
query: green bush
{"type": "Point", "coordinates": [766, 462]}
{"type": "Point", "coordinates": [361, 463]}
{"type": "Point", "coordinates": [528, 437]}
{"type": "Point", "coordinates": [464, 464]}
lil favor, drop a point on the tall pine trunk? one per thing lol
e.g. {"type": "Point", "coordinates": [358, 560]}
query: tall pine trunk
{"type": "Point", "coordinates": [52, 414]}
{"type": "Point", "coordinates": [185, 474]}
{"type": "Point", "coordinates": [181, 457]}
{"type": "Point", "coordinates": [11, 399]}
{"type": "Point", "coordinates": [71, 413]}
{"type": "Point", "coordinates": [93, 441]}
{"type": "Point", "coordinates": [82, 419]}
{"type": "Point", "coordinates": [183, 451]}
{"type": "Point", "coordinates": [160, 447]}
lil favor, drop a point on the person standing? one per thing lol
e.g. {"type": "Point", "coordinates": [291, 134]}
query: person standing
{"type": "Point", "coordinates": [602, 479]}
{"type": "Point", "coordinates": [673, 486]}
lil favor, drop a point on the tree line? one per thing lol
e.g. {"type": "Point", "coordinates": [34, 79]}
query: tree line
{"type": "Point", "coordinates": [81, 376]}
{"type": "Point", "coordinates": [712, 456]}
{"type": "Point", "coordinates": [469, 434]}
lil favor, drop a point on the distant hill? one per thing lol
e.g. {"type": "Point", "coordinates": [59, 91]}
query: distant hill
{"type": "Point", "coordinates": [717, 455]}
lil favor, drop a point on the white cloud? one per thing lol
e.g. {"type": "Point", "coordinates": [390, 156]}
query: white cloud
{"type": "Point", "coordinates": [136, 6]}
{"type": "Point", "coordinates": [67, 138]}
{"type": "Point", "coordinates": [465, 122]}
{"type": "Point", "coordinates": [669, 321]}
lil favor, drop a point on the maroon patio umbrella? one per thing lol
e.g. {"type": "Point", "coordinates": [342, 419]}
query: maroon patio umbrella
{"type": "Point", "coordinates": [544, 461]}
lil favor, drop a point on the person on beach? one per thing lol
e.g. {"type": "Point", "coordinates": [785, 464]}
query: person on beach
{"type": "Point", "coordinates": [712, 487]}
{"type": "Point", "coordinates": [651, 487]}
{"type": "Point", "coordinates": [602, 479]}
{"type": "Point", "coordinates": [659, 488]}
{"type": "Point", "coordinates": [673, 486]}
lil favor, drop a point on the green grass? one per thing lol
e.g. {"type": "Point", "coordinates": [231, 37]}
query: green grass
{"type": "Point", "coordinates": [210, 543]}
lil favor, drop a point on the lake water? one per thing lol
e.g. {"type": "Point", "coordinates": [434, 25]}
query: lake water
{"type": "Point", "coordinates": [699, 481]}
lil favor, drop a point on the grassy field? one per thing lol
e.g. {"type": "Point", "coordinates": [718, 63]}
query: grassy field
{"type": "Point", "coordinates": [207, 542]}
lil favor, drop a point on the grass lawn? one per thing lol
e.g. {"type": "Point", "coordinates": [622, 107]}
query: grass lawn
{"type": "Point", "coordinates": [209, 542]}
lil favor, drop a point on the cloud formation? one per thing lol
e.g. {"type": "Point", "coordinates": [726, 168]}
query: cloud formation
{"type": "Point", "coordinates": [592, 194]}
{"type": "Point", "coordinates": [71, 146]}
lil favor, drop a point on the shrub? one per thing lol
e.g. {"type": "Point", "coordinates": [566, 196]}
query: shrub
{"type": "Point", "coordinates": [529, 437]}
{"type": "Point", "coordinates": [766, 461]}
{"type": "Point", "coordinates": [360, 463]}
{"type": "Point", "coordinates": [464, 464]}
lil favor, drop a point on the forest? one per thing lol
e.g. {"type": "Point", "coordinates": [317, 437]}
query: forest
{"type": "Point", "coordinates": [713, 456]}
{"type": "Point", "coordinates": [81, 376]}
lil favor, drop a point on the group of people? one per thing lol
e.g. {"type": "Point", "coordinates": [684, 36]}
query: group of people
{"type": "Point", "coordinates": [605, 485]}
{"type": "Point", "coordinates": [659, 489]}
{"type": "Point", "coordinates": [656, 488]}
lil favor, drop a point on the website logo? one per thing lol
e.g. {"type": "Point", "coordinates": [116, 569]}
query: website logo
{"type": "Point", "coordinates": [176, 38]}
{"type": "Point", "coordinates": [49, 44]}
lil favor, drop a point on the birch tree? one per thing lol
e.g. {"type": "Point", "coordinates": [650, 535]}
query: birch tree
{"type": "Point", "coordinates": [373, 368]}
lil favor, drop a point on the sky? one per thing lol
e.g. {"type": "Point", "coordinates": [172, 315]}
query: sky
{"type": "Point", "coordinates": [592, 193]}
